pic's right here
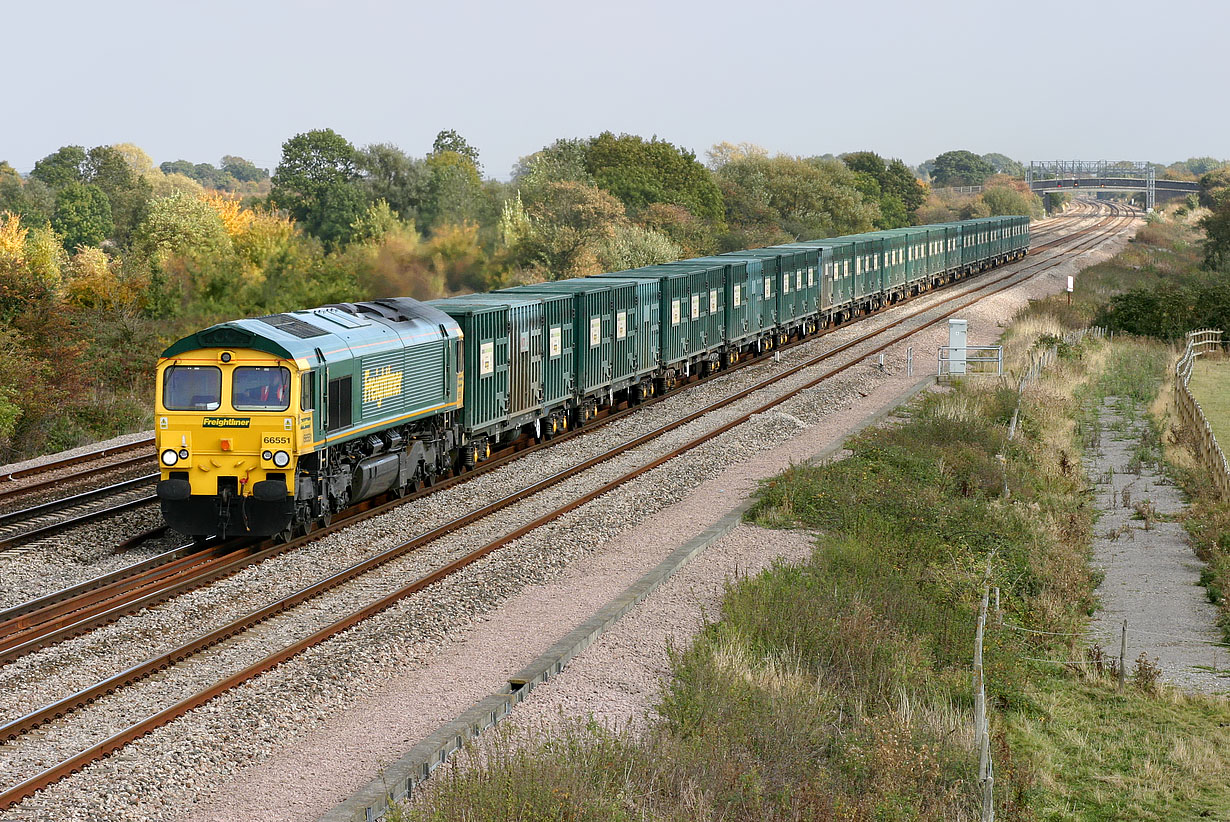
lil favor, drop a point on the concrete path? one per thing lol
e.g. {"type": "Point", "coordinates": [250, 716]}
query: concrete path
{"type": "Point", "coordinates": [1152, 576]}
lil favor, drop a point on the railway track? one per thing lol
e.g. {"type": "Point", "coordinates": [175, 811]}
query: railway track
{"type": "Point", "coordinates": [17, 528]}
{"type": "Point", "coordinates": [79, 459]}
{"type": "Point", "coordinates": [320, 632]}
{"type": "Point", "coordinates": [44, 621]}
{"type": "Point", "coordinates": [21, 527]}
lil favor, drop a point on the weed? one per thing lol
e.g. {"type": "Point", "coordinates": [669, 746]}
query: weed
{"type": "Point", "coordinates": [1146, 674]}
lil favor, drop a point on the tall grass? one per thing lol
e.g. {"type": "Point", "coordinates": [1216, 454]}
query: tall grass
{"type": "Point", "coordinates": [837, 688]}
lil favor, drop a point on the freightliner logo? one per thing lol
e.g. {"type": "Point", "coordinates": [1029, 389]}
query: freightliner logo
{"type": "Point", "coordinates": [226, 422]}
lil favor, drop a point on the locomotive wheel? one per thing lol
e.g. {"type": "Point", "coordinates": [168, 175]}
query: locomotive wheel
{"type": "Point", "coordinates": [285, 535]}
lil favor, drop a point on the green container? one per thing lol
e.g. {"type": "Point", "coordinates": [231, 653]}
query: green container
{"type": "Point", "coordinates": [951, 251]}
{"type": "Point", "coordinates": [836, 266]}
{"type": "Point", "coordinates": [558, 372]}
{"type": "Point", "coordinates": [933, 252]}
{"type": "Point", "coordinates": [868, 273]}
{"type": "Point", "coordinates": [486, 328]}
{"type": "Point", "coordinates": [893, 266]}
{"type": "Point", "coordinates": [526, 351]}
{"type": "Point", "coordinates": [691, 308]}
{"type": "Point", "coordinates": [805, 285]}
{"type": "Point", "coordinates": [792, 302]}
{"type": "Point", "coordinates": [760, 291]}
{"type": "Point", "coordinates": [593, 313]}
{"type": "Point", "coordinates": [637, 341]}
{"type": "Point", "coordinates": [744, 319]}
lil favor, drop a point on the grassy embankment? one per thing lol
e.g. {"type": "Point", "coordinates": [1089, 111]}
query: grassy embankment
{"type": "Point", "coordinates": [840, 688]}
{"type": "Point", "coordinates": [1210, 385]}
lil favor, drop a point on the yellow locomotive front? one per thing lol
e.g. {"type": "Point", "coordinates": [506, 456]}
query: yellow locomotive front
{"type": "Point", "coordinates": [228, 435]}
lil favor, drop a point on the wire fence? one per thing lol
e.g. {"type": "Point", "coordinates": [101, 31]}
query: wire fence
{"type": "Point", "coordinates": [1039, 360]}
{"type": "Point", "coordinates": [1199, 343]}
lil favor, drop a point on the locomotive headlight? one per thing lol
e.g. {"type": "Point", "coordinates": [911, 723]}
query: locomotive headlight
{"type": "Point", "coordinates": [169, 457]}
{"type": "Point", "coordinates": [183, 453]}
{"type": "Point", "coordinates": [281, 459]}
{"type": "Point", "coordinates": [267, 455]}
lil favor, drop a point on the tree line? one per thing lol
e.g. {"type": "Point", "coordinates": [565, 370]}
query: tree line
{"type": "Point", "coordinates": [106, 256]}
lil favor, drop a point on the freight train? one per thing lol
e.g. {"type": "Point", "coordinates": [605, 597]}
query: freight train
{"type": "Point", "coordinates": [270, 426]}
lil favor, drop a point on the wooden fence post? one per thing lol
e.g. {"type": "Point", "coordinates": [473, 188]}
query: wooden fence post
{"type": "Point", "coordinates": [1123, 655]}
{"type": "Point", "coordinates": [986, 776]}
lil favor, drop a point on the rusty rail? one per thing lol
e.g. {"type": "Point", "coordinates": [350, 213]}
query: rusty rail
{"type": "Point", "coordinates": [145, 459]}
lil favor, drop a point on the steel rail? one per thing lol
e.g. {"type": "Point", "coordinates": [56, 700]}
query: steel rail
{"type": "Point", "coordinates": [119, 740]}
{"type": "Point", "coordinates": [52, 506]}
{"type": "Point", "coordinates": [70, 522]}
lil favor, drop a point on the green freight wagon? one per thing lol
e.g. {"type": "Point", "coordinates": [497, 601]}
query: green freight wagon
{"type": "Point", "coordinates": [503, 361]}
{"type": "Point", "coordinates": [916, 258]}
{"type": "Point", "coordinates": [758, 294]}
{"type": "Point", "coordinates": [593, 333]}
{"type": "Point", "coordinates": [952, 249]}
{"type": "Point", "coordinates": [934, 254]}
{"type": "Point", "coordinates": [891, 262]}
{"type": "Point", "coordinates": [692, 310]}
{"type": "Point", "coordinates": [867, 280]}
{"type": "Point", "coordinates": [806, 286]}
{"type": "Point", "coordinates": [555, 347]}
{"type": "Point", "coordinates": [974, 251]}
{"type": "Point", "coordinates": [636, 339]}
{"type": "Point", "coordinates": [746, 318]}
{"type": "Point", "coordinates": [836, 274]}
{"type": "Point", "coordinates": [1020, 239]}
{"type": "Point", "coordinates": [793, 304]}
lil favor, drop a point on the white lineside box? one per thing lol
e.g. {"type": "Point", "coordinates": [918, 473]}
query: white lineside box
{"type": "Point", "coordinates": [957, 332]}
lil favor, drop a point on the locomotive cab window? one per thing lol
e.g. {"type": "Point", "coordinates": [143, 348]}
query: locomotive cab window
{"type": "Point", "coordinates": [307, 391]}
{"type": "Point", "coordinates": [192, 388]}
{"type": "Point", "coordinates": [260, 388]}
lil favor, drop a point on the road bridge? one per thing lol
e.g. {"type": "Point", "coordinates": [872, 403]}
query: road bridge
{"type": "Point", "coordinates": [1100, 175]}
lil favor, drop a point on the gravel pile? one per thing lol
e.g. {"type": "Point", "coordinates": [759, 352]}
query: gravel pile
{"type": "Point", "coordinates": [173, 766]}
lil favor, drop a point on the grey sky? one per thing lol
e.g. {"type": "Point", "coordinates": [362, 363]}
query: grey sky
{"type": "Point", "coordinates": [1043, 80]}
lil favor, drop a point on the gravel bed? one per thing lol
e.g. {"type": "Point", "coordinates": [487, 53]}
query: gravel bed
{"type": "Point", "coordinates": [171, 766]}
{"type": "Point", "coordinates": [78, 554]}
{"type": "Point", "coordinates": [622, 696]}
{"type": "Point", "coordinates": [34, 462]}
